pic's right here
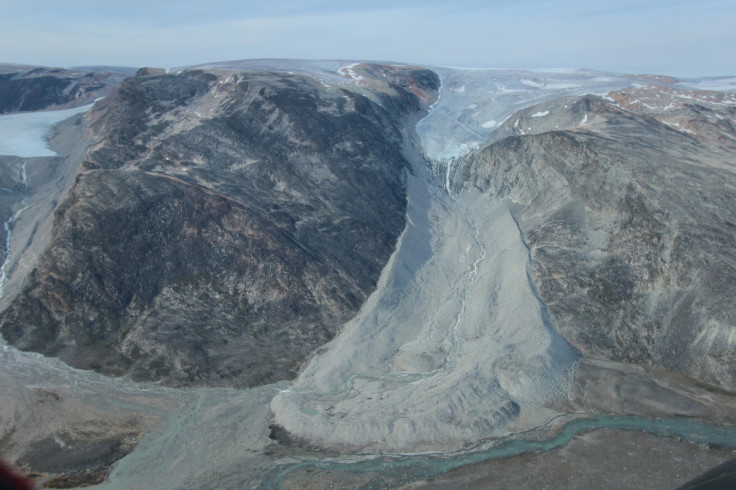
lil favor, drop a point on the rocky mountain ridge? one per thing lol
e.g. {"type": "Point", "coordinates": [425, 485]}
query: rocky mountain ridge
{"type": "Point", "coordinates": [628, 216]}
{"type": "Point", "coordinates": [28, 88]}
{"type": "Point", "coordinates": [271, 203]}
{"type": "Point", "coordinates": [532, 255]}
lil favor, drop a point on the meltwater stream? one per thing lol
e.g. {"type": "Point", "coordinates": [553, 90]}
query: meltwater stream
{"type": "Point", "coordinates": [25, 135]}
{"type": "Point", "coordinates": [455, 317]}
{"type": "Point", "coordinates": [219, 438]}
{"type": "Point", "coordinates": [391, 471]}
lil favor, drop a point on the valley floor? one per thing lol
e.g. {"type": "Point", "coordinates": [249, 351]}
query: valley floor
{"type": "Point", "coordinates": [600, 459]}
{"type": "Point", "coordinates": [520, 407]}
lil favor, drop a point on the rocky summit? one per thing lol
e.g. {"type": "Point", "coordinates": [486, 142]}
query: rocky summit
{"type": "Point", "coordinates": [629, 217]}
{"type": "Point", "coordinates": [35, 88]}
{"type": "Point", "coordinates": [222, 224]}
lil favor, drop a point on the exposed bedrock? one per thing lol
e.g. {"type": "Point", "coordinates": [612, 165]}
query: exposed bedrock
{"type": "Point", "coordinates": [27, 88]}
{"type": "Point", "coordinates": [630, 223]}
{"type": "Point", "coordinates": [223, 224]}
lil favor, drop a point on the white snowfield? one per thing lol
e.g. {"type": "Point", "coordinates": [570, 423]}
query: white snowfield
{"type": "Point", "coordinates": [721, 84]}
{"type": "Point", "coordinates": [471, 101]}
{"type": "Point", "coordinates": [349, 72]}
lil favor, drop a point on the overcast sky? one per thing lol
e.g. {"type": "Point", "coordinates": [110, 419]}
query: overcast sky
{"type": "Point", "coordinates": [672, 37]}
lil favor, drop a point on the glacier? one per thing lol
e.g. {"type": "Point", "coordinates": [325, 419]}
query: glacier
{"type": "Point", "coordinates": [26, 134]}
{"type": "Point", "coordinates": [456, 316]}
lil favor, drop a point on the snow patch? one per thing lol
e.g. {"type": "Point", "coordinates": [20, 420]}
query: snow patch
{"type": "Point", "coordinates": [719, 84]}
{"type": "Point", "coordinates": [678, 127]}
{"type": "Point", "coordinates": [349, 72]}
{"type": "Point", "coordinates": [549, 85]}
{"type": "Point", "coordinates": [489, 124]}
{"type": "Point", "coordinates": [540, 114]}
{"type": "Point", "coordinates": [531, 83]}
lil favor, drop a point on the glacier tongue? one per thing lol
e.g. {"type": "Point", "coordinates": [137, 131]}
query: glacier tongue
{"type": "Point", "coordinates": [474, 103]}
{"type": "Point", "coordinates": [453, 346]}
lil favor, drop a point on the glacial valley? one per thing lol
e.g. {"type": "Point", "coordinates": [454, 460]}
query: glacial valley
{"type": "Point", "coordinates": [283, 273]}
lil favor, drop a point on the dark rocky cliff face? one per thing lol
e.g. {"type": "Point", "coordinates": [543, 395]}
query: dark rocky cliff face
{"type": "Point", "coordinates": [631, 225]}
{"type": "Point", "coordinates": [24, 89]}
{"type": "Point", "coordinates": [223, 226]}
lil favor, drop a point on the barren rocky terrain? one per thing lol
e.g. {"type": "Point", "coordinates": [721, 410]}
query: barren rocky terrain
{"type": "Point", "coordinates": [629, 221]}
{"type": "Point", "coordinates": [289, 273]}
{"type": "Point", "coordinates": [221, 227]}
{"type": "Point", "coordinates": [37, 88]}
